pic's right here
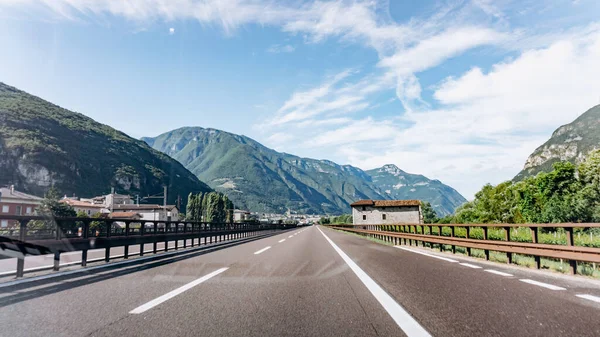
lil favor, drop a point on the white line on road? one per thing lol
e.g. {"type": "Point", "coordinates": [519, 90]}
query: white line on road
{"type": "Point", "coordinates": [545, 285]}
{"type": "Point", "coordinates": [280, 241]}
{"type": "Point", "coordinates": [404, 320]}
{"type": "Point", "coordinates": [498, 272]}
{"type": "Point", "coordinates": [262, 250]}
{"type": "Point", "coordinates": [289, 237]}
{"type": "Point", "coordinates": [171, 294]}
{"type": "Point", "coordinates": [422, 253]}
{"type": "Point", "coordinates": [589, 297]}
{"type": "Point", "coordinates": [470, 265]}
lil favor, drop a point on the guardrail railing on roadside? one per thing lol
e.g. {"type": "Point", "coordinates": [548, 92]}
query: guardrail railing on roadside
{"type": "Point", "coordinates": [422, 234]}
{"type": "Point", "coordinates": [39, 235]}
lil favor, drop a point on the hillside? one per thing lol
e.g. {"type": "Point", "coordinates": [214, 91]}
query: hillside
{"type": "Point", "coordinates": [398, 184]}
{"type": "Point", "coordinates": [261, 179]}
{"type": "Point", "coordinates": [571, 142]}
{"type": "Point", "coordinates": [42, 144]}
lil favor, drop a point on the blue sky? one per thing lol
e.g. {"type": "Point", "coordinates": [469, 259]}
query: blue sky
{"type": "Point", "coordinates": [461, 91]}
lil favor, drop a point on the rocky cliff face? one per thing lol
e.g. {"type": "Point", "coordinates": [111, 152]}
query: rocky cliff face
{"type": "Point", "coordinates": [571, 142]}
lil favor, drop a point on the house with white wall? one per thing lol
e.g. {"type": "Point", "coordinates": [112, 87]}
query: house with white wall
{"type": "Point", "coordinates": [386, 212]}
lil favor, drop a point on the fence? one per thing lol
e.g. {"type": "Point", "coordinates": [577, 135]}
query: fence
{"type": "Point", "coordinates": [422, 234]}
{"type": "Point", "coordinates": [38, 235]}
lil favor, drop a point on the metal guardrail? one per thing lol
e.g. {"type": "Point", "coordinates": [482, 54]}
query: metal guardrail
{"type": "Point", "coordinates": [415, 234]}
{"type": "Point", "coordinates": [39, 235]}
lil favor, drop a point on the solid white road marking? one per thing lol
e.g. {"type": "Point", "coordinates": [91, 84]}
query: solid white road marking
{"type": "Point", "coordinates": [545, 285]}
{"type": "Point", "coordinates": [262, 250]}
{"type": "Point", "coordinates": [422, 253]}
{"type": "Point", "coordinates": [470, 265]}
{"type": "Point", "coordinates": [404, 320]}
{"type": "Point", "coordinates": [280, 241]}
{"type": "Point", "coordinates": [171, 294]}
{"type": "Point", "coordinates": [498, 272]}
{"type": "Point", "coordinates": [589, 297]}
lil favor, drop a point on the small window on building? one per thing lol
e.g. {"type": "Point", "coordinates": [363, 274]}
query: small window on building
{"type": "Point", "coordinates": [5, 209]}
{"type": "Point", "coordinates": [364, 208]}
{"type": "Point", "coordinates": [89, 212]}
{"type": "Point", "coordinates": [364, 217]}
{"type": "Point", "coordinates": [383, 216]}
{"type": "Point", "coordinates": [4, 223]}
{"type": "Point", "coordinates": [28, 210]}
{"type": "Point", "coordinates": [19, 210]}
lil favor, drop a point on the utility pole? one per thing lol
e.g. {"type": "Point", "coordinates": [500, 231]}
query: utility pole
{"type": "Point", "coordinates": [165, 196]}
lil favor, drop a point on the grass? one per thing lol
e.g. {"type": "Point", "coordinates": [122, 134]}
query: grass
{"type": "Point", "coordinates": [520, 234]}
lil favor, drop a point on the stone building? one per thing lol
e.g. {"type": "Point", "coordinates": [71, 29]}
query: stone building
{"type": "Point", "coordinates": [386, 212]}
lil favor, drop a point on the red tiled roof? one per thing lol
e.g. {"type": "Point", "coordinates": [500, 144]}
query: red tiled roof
{"type": "Point", "coordinates": [362, 203]}
{"type": "Point", "coordinates": [386, 203]}
{"type": "Point", "coordinates": [124, 215]}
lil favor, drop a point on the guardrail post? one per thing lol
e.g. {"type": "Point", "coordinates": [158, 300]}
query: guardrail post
{"type": "Point", "coordinates": [570, 242]}
{"type": "Point", "coordinates": [21, 260]}
{"type": "Point", "coordinates": [142, 231]}
{"type": "Point", "coordinates": [155, 244]}
{"type": "Point", "coordinates": [126, 247]}
{"type": "Point", "coordinates": [108, 226]}
{"type": "Point", "coordinates": [468, 236]}
{"type": "Point", "coordinates": [56, 261]}
{"type": "Point", "coordinates": [86, 235]}
{"type": "Point", "coordinates": [534, 239]}
{"type": "Point", "coordinates": [509, 256]}
{"type": "Point", "coordinates": [452, 235]}
{"type": "Point", "coordinates": [485, 237]}
{"type": "Point", "coordinates": [176, 231]}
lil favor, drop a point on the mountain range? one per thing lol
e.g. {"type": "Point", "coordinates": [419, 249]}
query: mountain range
{"type": "Point", "coordinates": [261, 179]}
{"type": "Point", "coordinates": [571, 142]}
{"type": "Point", "coordinates": [42, 144]}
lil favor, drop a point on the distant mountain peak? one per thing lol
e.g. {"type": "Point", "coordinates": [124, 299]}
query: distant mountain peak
{"type": "Point", "coordinates": [261, 179]}
{"type": "Point", "coordinates": [392, 169]}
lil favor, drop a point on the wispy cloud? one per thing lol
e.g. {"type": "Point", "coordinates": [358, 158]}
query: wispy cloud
{"type": "Point", "coordinates": [277, 48]}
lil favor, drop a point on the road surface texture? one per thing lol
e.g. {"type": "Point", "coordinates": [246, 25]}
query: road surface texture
{"type": "Point", "coordinates": [311, 281]}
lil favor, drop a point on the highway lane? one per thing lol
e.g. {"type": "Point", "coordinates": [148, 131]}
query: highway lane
{"type": "Point", "coordinates": [301, 286]}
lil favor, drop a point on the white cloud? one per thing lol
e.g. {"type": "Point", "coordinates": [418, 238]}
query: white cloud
{"type": "Point", "coordinates": [171, 31]}
{"type": "Point", "coordinates": [277, 48]}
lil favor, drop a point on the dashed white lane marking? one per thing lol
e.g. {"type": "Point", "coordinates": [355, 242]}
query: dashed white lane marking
{"type": "Point", "coordinates": [498, 272]}
{"type": "Point", "coordinates": [470, 265]}
{"type": "Point", "coordinates": [262, 250]}
{"type": "Point", "coordinates": [545, 285]}
{"type": "Point", "coordinates": [418, 252]}
{"type": "Point", "coordinates": [291, 236]}
{"type": "Point", "coordinates": [589, 297]}
{"type": "Point", "coordinates": [280, 241]}
{"type": "Point", "coordinates": [144, 307]}
{"type": "Point", "coordinates": [402, 318]}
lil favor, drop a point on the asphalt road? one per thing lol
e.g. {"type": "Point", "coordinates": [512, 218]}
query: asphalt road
{"type": "Point", "coordinates": [305, 285]}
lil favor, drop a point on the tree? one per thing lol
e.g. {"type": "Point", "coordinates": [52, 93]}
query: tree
{"type": "Point", "coordinates": [52, 206]}
{"type": "Point", "coordinates": [429, 214]}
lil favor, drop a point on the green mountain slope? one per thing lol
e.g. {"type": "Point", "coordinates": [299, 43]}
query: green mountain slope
{"type": "Point", "coordinates": [397, 184]}
{"type": "Point", "coordinates": [43, 144]}
{"type": "Point", "coordinates": [570, 142]}
{"type": "Point", "coordinates": [261, 179]}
